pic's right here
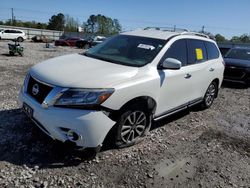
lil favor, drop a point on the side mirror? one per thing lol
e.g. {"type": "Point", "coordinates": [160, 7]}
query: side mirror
{"type": "Point", "coordinates": [171, 63]}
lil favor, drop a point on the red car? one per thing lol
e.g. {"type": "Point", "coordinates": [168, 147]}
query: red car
{"type": "Point", "coordinates": [71, 41]}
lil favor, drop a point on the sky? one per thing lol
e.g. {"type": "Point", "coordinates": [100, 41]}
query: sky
{"type": "Point", "coordinates": [227, 17]}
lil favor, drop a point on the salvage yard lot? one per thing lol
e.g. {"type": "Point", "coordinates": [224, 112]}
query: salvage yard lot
{"type": "Point", "coordinates": [194, 148]}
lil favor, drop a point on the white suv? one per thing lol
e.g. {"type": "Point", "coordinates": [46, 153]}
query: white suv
{"type": "Point", "coordinates": [120, 86]}
{"type": "Point", "coordinates": [12, 34]}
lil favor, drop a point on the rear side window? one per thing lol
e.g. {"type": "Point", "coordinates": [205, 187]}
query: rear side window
{"type": "Point", "coordinates": [18, 31]}
{"type": "Point", "coordinates": [178, 50]}
{"type": "Point", "coordinates": [197, 52]}
{"type": "Point", "coordinates": [212, 50]}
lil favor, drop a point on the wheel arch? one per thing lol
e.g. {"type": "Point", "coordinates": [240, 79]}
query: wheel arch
{"type": "Point", "coordinates": [148, 102]}
{"type": "Point", "coordinates": [217, 81]}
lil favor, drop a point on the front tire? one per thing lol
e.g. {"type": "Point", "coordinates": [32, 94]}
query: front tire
{"type": "Point", "coordinates": [134, 122]}
{"type": "Point", "coordinates": [210, 95]}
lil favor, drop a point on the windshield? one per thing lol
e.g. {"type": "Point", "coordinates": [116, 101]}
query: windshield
{"type": "Point", "coordinates": [243, 54]}
{"type": "Point", "coordinates": [127, 50]}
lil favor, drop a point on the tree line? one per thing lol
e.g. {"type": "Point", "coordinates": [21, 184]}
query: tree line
{"type": "Point", "coordinates": [96, 24]}
{"type": "Point", "coordinates": [245, 38]}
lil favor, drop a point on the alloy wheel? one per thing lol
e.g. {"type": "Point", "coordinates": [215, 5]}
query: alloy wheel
{"type": "Point", "coordinates": [210, 95]}
{"type": "Point", "coordinates": [134, 126]}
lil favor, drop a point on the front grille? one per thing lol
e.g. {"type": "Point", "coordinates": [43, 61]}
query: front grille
{"type": "Point", "coordinates": [235, 73]}
{"type": "Point", "coordinates": [42, 90]}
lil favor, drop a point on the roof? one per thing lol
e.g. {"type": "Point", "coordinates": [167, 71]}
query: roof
{"type": "Point", "coordinates": [152, 33]}
{"type": "Point", "coordinates": [163, 34]}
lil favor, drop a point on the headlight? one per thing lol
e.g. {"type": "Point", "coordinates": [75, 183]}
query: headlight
{"type": "Point", "coordinates": [84, 97]}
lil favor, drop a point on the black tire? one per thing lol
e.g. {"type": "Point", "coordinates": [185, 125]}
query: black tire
{"type": "Point", "coordinates": [11, 53]}
{"type": "Point", "coordinates": [210, 95]}
{"type": "Point", "coordinates": [128, 134]}
{"type": "Point", "coordinates": [19, 39]}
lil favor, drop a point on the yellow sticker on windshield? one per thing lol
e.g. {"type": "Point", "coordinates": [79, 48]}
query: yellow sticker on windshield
{"type": "Point", "coordinates": [199, 54]}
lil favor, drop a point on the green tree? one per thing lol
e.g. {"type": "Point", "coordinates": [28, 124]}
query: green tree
{"type": "Point", "coordinates": [71, 25]}
{"type": "Point", "coordinates": [56, 22]}
{"type": "Point", "coordinates": [245, 38]}
{"type": "Point", "coordinates": [235, 39]}
{"type": "Point", "coordinates": [100, 24]}
{"type": "Point", "coordinates": [220, 38]}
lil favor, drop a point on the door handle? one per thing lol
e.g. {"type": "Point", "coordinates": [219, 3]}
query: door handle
{"type": "Point", "coordinates": [211, 69]}
{"type": "Point", "coordinates": [188, 76]}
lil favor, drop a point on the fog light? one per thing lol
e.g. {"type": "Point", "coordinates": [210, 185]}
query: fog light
{"type": "Point", "coordinates": [73, 136]}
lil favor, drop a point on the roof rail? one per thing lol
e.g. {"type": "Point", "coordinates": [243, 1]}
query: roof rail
{"type": "Point", "coordinates": [195, 33]}
{"type": "Point", "coordinates": [171, 29]}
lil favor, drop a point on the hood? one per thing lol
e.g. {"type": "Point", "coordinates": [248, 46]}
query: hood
{"type": "Point", "coordinates": [237, 62]}
{"type": "Point", "coordinates": [79, 71]}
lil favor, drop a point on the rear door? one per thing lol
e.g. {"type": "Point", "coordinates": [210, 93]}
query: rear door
{"type": "Point", "coordinates": [199, 65]}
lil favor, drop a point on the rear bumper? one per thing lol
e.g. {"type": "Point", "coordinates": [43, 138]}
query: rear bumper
{"type": "Point", "coordinates": [91, 126]}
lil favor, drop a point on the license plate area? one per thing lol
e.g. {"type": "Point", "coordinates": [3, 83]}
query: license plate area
{"type": "Point", "coordinates": [28, 110]}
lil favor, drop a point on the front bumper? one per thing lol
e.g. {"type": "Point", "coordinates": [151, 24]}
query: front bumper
{"type": "Point", "coordinates": [92, 126]}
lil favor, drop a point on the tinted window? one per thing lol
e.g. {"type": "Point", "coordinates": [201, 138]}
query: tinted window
{"type": "Point", "coordinates": [18, 31]}
{"type": "Point", "coordinates": [196, 51]}
{"type": "Point", "coordinates": [127, 50]}
{"type": "Point", "coordinates": [239, 54]}
{"type": "Point", "coordinates": [178, 50]}
{"type": "Point", "coordinates": [7, 31]}
{"type": "Point", "coordinates": [12, 31]}
{"type": "Point", "coordinates": [212, 51]}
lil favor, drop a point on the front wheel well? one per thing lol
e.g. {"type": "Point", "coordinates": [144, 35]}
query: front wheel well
{"type": "Point", "coordinates": [147, 102]}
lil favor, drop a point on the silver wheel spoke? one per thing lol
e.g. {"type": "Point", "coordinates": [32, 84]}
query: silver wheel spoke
{"type": "Point", "coordinates": [125, 132]}
{"type": "Point", "coordinates": [124, 127]}
{"type": "Point", "coordinates": [131, 136]}
{"type": "Point", "coordinates": [133, 127]}
{"type": "Point", "coordinates": [139, 129]}
{"type": "Point", "coordinates": [131, 118]}
{"type": "Point", "coordinates": [140, 120]}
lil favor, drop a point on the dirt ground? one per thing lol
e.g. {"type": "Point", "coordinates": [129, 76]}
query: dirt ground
{"type": "Point", "coordinates": [209, 148]}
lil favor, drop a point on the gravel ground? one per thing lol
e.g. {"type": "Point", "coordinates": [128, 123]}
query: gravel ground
{"type": "Point", "coordinates": [193, 148]}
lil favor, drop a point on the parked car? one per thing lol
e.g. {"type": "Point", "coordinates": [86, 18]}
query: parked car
{"type": "Point", "coordinates": [90, 42]}
{"type": "Point", "coordinates": [41, 38]}
{"type": "Point", "coordinates": [119, 87]}
{"type": "Point", "coordinates": [12, 34]}
{"type": "Point", "coordinates": [70, 41]}
{"type": "Point", "coordinates": [237, 62]}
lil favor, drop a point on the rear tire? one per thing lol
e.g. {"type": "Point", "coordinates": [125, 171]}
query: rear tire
{"type": "Point", "coordinates": [210, 95]}
{"type": "Point", "coordinates": [133, 124]}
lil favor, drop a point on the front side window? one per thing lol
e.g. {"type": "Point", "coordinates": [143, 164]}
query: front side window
{"type": "Point", "coordinates": [235, 53]}
{"type": "Point", "coordinates": [127, 50]}
{"type": "Point", "coordinates": [178, 50]}
{"type": "Point", "coordinates": [197, 52]}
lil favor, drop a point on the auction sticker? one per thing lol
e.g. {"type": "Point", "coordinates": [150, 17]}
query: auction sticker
{"type": "Point", "coordinates": [146, 46]}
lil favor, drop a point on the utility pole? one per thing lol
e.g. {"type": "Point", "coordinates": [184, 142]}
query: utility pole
{"type": "Point", "coordinates": [203, 29]}
{"type": "Point", "coordinates": [12, 16]}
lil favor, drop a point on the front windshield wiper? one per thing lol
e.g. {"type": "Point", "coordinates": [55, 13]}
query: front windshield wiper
{"type": "Point", "coordinates": [100, 58]}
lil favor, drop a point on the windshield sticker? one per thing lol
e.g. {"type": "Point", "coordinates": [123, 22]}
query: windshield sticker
{"type": "Point", "coordinates": [146, 46]}
{"type": "Point", "coordinates": [199, 54]}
